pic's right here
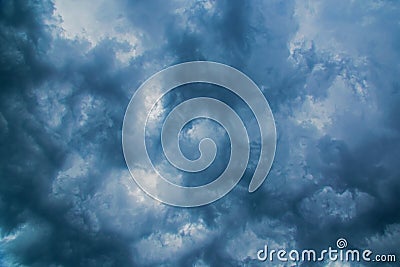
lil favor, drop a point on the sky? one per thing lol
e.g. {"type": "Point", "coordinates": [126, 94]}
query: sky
{"type": "Point", "coordinates": [329, 70]}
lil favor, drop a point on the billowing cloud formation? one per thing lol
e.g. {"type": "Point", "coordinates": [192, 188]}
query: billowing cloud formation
{"type": "Point", "coordinates": [329, 70]}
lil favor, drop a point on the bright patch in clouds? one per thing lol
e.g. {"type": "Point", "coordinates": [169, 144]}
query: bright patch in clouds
{"type": "Point", "coordinates": [95, 21]}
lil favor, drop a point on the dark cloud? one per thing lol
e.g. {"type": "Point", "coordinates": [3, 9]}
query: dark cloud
{"type": "Point", "coordinates": [329, 71]}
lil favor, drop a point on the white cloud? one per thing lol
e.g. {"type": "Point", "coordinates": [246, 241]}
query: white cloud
{"type": "Point", "coordinates": [246, 242]}
{"type": "Point", "coordinates": [95, 21]}
{"type": "Point", "coordinates": [326, 205]}
{"type": "Point", "coordinates": [162, 246]}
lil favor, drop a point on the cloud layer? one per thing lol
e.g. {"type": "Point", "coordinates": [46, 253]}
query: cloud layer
{"type": "Point", "coordinates": [329, 70]}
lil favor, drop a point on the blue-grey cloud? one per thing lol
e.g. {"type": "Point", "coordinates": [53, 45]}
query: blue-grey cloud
{"type": "Point", "coordinates": [329, 71]}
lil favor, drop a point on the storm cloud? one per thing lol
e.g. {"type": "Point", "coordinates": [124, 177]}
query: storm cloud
{"type": "Point", "coordinates": [329, 69]}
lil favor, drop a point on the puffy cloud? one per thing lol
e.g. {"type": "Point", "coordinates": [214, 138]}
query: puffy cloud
{"type": "Point", "coordinates": [68, 69]}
